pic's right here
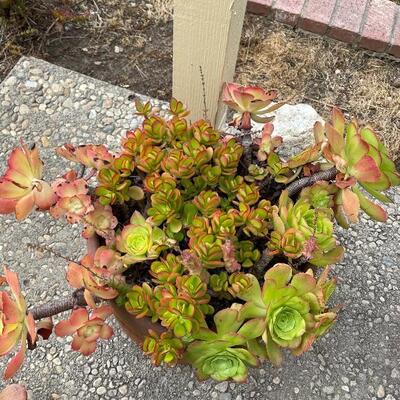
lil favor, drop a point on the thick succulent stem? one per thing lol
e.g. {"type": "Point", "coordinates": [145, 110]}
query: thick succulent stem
{"type": "Point", "coordinates": [261, 265]}
{"type": "Point", "coordinates": [59, 306]}
{"type": "Point", "coordinates": [296, 186]}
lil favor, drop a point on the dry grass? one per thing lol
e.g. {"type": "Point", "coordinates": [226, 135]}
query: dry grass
{"type": "Point", "coordinates": [161, 11]}
{"type": "Point", "coordinates": [325, 73]}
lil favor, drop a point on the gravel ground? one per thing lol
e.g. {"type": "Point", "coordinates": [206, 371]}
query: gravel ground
{"type": "Point", "coordinates": [358, 359]}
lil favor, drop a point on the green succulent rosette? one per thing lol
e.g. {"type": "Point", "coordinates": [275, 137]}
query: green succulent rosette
{"type": "Point", "coordinates": [226, 364]}
{"type": "Point", "coordinates": [139, 301]}
{"type": "Point", "coordinates": [319, 195]}
{"type": "Point", "coordinates": [166, 270]}
{"type": "Point", "coordinates": [302, 230]}
{"type": "Point", "coordinates": [287, 324]}
{"type": "Point", "coordinates": [182, 315]}
{"type": "Point", "coordinates": [293, 308]}
{"type": "Point", "coordinates": [313, 222]}
{"type": "Point", "coordinates": [164, 349]}
{"type": "Point", "coordinates": [361, 160]}
{"type": "Point", "coordinates": [140, 240]}
{"type": "Point", "coordinates": [219, 282]}
{"type": "Point", "coordinates": [222, 354]}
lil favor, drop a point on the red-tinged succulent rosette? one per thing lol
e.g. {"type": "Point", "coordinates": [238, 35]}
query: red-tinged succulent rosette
{"type": "Point", "coordinates": [21, 187]}
{"type": "Point", "coordinates": [93, 279]}
{"type": "Point", "coordinates": [86, 329]}
{"type": "Point", "coordinates": [73, 199]}
{"type": "Point", "coordinates": [251, 103]}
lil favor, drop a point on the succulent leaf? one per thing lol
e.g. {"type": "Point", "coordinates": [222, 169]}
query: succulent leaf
{"type": "Point", "coordinates": [91, 156]}
{"type": "Point", "coordinates": [17, 327]}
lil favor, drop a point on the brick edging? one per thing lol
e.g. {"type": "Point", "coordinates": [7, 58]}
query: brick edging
{"type": "Point", "coordinates": [370, 24]}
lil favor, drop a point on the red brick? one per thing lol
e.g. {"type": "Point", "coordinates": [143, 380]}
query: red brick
{"type": "Point", "coordinates": [395, 43]}
{"type": "Point", "coordinates": [346, 22]}
{"type": "Point", "coordinates": [378, 26]}
{"type": "Point", "coordinates": [288, 11]}
{"type": "Point", "coordinates": [317, 15]}
{"type": "Point", "coordinates": [261, 7]}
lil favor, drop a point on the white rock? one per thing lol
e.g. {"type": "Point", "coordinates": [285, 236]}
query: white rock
{"type": "Point", "coordinates": [123, 389]}
{"type": "Point", "coordinates": [101, 390]}
{"type": "Point", "coordinates": [68, 103]}
{"type": "Point", "coordinates": [328, 389]}
{"type": "Point", "coordinates": [23, 109]}
{"type": "Point", "coordinates": [222, 387]}
{"type": "Point", "coordinates": [11, 81]}
{"type": "Point", "coordinates": [295, 124]}
{"type": "Point", "coordinates": [32, 84]}
{"type": "Point", "coordinates": [107, 103]}
{"type": "Point", "coordinates": [56, 88]}
{"type": "Point", "coordinates": [395, 373]}
{"type": "Point", "coordinates": [92, 114]}
{"type": "Point", "coordinates": [380, 392]}
{"type": "Point", "coordinates": [36, 71]}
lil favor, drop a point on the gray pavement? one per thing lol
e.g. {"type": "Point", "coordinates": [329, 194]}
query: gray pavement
{"type": "Point", "coordinates": [358, 359]}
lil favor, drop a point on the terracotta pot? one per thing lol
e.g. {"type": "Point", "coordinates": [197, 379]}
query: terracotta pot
{"type": "Point", "coordinates": [135, 328]}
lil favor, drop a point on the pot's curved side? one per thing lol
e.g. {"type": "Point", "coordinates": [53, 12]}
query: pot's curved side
{"type": "Point", "coordinates": [136, 328]}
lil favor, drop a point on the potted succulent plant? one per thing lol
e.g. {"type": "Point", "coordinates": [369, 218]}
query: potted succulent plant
{"type": "Point", "coordinates": [209, 249]}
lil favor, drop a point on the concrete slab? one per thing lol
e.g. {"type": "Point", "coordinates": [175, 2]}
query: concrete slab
{"type": "Point", "coordinates": [358, 359]}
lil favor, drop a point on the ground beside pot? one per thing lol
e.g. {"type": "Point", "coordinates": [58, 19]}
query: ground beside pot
{"type": "Point", "coordinates": [357, 360]}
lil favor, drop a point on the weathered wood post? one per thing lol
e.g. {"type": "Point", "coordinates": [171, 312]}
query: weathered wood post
{"type": "Point", "coordinates": [206, 44]}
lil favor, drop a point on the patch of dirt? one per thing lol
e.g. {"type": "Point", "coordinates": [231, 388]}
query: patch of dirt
{"type": "Point", "coordinates": [129, 43]}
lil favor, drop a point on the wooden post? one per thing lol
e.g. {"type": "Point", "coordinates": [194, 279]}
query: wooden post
{"type": "Point", "coordinates": [206, 44]}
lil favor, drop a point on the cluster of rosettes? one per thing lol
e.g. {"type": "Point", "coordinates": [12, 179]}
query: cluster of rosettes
{"type": "Point", "coordinates": [188, 223]}
{"type": "Point", "coordinates": [192, 189]}
{"type": "Point", "coordinates": [289, 312]}
{"type": "Point", "coordinates": [304, 229]}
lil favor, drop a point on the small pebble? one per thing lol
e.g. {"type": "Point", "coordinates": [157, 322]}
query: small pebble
{"type": "Point", "coordinates": [276, 380]}
{"type": "Point", "coordinates": [222, 387]}
{"type": "Point", "coordinates": [380, 392]}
